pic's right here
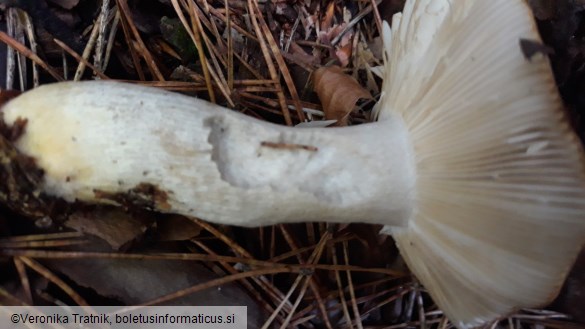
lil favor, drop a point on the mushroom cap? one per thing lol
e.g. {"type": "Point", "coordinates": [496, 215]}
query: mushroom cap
{"type": "Point", "coordinates": [500, 204]}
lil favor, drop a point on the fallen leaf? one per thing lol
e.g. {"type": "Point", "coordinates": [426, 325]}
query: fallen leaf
{"type": "Point", "coordinates": [177, 228]}
{"type": "Point", "coordinates": [113, 225]}
{"type": "Point", "coordinates": [338, 93]}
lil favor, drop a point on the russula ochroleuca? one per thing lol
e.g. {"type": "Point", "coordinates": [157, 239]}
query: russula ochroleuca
{"type": "Point", "coordinates": [471, 165]}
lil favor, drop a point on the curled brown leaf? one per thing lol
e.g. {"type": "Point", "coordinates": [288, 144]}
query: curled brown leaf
{"type": "Point", "coordinates": [338, 93]}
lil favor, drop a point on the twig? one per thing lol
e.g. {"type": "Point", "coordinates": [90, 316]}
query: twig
{"type": "Point", "coordinates": [377, 17]}
{"type": "Point", "coordinates": [86, 52]}
{"type": "Point", "coordinates": [251, 289]}
{"type": "Point", "coordinates": [354, 21]}
{"type": "Point", "coordinates": [102, 21]}
{"type": "Point", "coordinates": [340, 291]}
{"type": "Point", "coordinates": [131, 29]}
{"type": "Point", "coordinates": [255, 20]}
{"type": "Point", "coordinates": [196, 37]}
{"type": "Point", "coordinates": [241, 30]}
{"type": "Point", "coordinates": [10, 53]}
{"type": "Point", "coordinates": [43, 17]}
{"type": "Point", "coordinates": [281, 64]}
{"type": "Point", "coordinates": [286, 300]}
{"type": "Point", "coordinates": [30, 31]}
{"type": "Point", "coordinates": [230, 49]}
{"type": "Point", "coordinates": [354, 306]}
{"type": "Point", "coordinates": [19, 47]}
{"type": "Point", "coordinates": [20, 59]}
{"type": "Point", "coordinates": [23, 279]}
{"type": "Point", "coordinates": [54, 279]}
{"type": "Point", "coordinates": [37, 237]}
{"type": "Point", "coordinates": [11, 299]}
{"type": "Point", "coordinates": [81, 59]}
{"type": "Point", "coordinates": [54, 254]}
{"type": "Point", "coordinates": [43, 244]}
{"type": "Point", "coordinates": [111, 38]}
{"type": "Point", "coordinates": [421, 309]}
{"type": "Point", "coordinates": [214, 53]}
{"type": "Point", "coordinates": [313, 284]}
{"type": "Point", "coordinates": [313, 259]}
{"type": "Point", "coordinates": [219, 282]}
{"type": "Point", "coordinates": [240, 251]}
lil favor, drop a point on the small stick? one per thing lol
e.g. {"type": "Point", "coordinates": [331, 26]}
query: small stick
{"type": "Point", "coordinates": [86, 52]}
{"type": "Point", "coordinates": [30, 31]}
{"type": "Point", "coordinates": [80, 59]}
{"type": "Point", "coordinates": [19, 47]}
{"type": "Point", "coordinates": [10, 60]}
{"type": "Point", "coordinates": [256, 21]}
{"type": "Point", "coordinates": [111, 38]}
{"type": "Point", "coordinates": [287, 146]}
{"type": "Point", "coordinates": [123, 6]}
{"type": "Point", "coordinates": [103, 22]}
{"type": "Point", "coordinates": [197, 40]}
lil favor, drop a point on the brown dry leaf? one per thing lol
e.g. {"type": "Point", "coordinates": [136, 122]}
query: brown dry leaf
{"type": "Point", "coordinates": [177, 228]}
{"type": "Point", "coordinates": [338, 93]}
{"type": "Point", "coordinates": [113, 225]}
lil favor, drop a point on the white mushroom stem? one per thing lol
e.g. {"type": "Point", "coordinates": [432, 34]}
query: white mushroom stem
{"type": "Point", "coordinates": [96, 139]}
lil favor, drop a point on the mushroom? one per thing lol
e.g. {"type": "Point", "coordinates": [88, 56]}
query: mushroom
{"type": "Point", "coordinates": [471, 166]}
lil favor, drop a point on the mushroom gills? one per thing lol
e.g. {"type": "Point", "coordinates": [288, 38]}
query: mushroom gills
{"type": "Point", "coordinates": [471, 165]}
{"type": "Point", "coordinates": [500, 191]}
